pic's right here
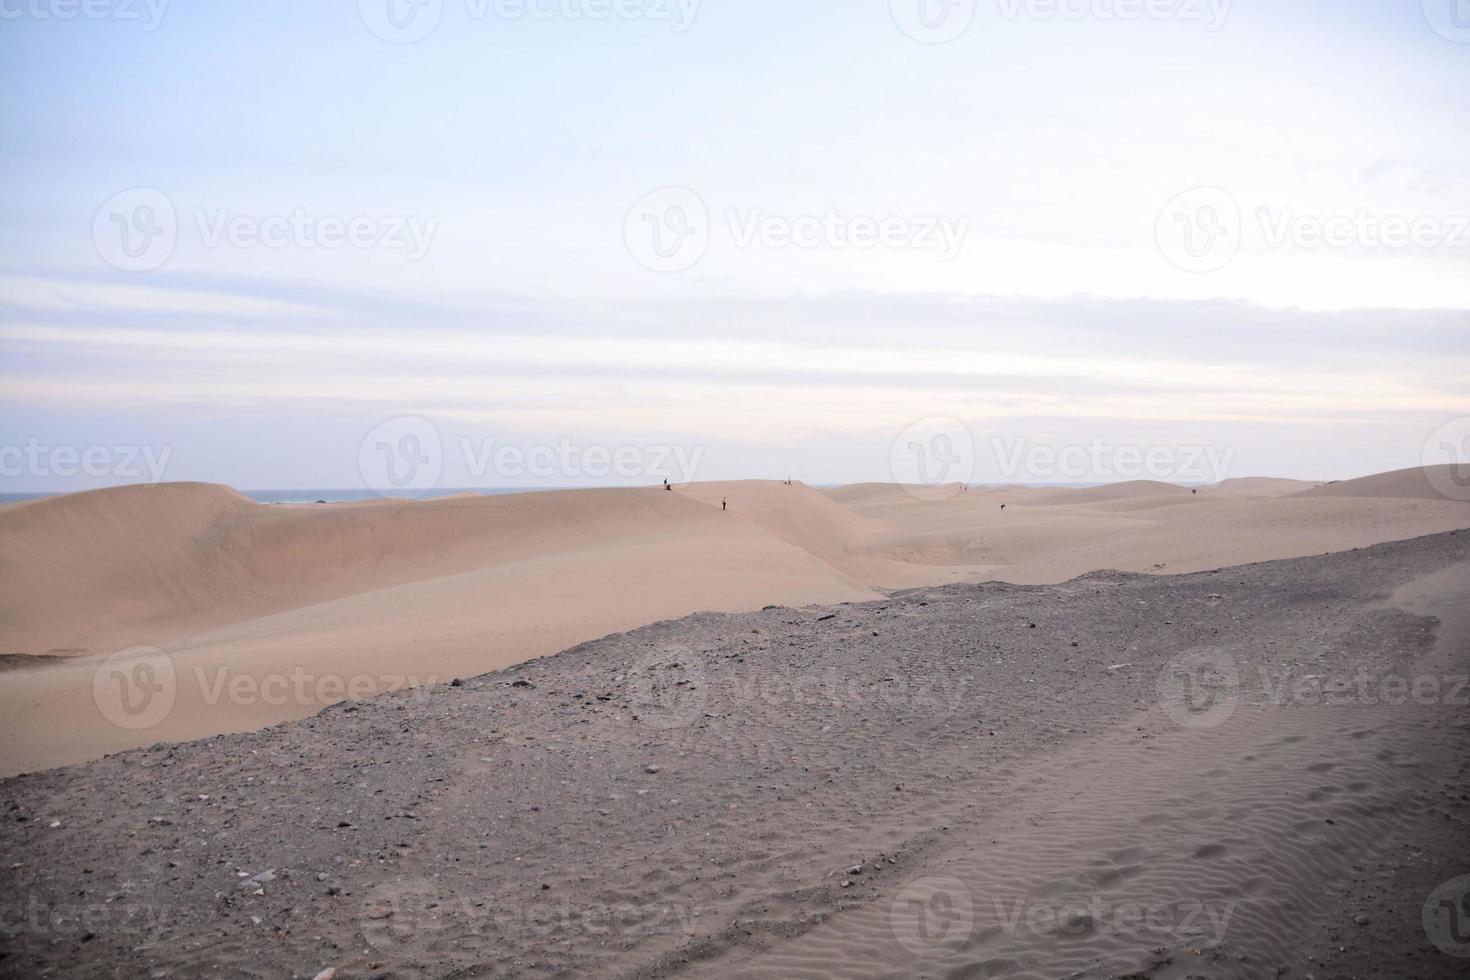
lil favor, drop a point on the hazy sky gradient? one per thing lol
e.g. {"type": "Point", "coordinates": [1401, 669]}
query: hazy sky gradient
{"type": "Point", "coordinates": [515, 147]}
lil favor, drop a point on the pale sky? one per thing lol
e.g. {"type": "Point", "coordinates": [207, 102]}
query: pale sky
{"type": "Point", "coordinates": [776, 236]}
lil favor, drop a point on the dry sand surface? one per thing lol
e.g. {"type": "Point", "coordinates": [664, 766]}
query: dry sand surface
{"type": "Point", "coordinates": [240, 615]}
{"type": "Point", "coordinates": [1260, 772]}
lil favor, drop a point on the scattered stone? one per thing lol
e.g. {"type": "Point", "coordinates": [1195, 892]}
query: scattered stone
{"type": "Point", "coordinates": [255, 881]}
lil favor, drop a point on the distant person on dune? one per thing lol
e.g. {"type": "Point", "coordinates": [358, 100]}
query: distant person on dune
{"type": "Point", "coordinates": [724, 503]}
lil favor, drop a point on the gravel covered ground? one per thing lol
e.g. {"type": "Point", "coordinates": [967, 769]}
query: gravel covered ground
{"type": "Point", "coordinates": [744, 794]}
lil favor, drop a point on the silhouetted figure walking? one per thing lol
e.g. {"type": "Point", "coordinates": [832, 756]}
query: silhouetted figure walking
{"type": "Point", "coordinates": [724, 504]}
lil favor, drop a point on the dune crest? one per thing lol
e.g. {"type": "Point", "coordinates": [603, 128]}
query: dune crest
{"type": "Point", "coordinates": [1262, 486]}
{"type": "Point", "coordinates": [1117, 491]}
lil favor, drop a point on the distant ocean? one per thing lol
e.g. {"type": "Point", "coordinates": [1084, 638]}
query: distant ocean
{"type": "Point", "coordinates": [344, 496]}
{"type": "Point", "coordinates": [329, 496]}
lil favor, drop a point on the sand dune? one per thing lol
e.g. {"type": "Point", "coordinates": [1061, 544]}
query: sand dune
{"type": "Point", "coordinates": [1262, 486]}
{"type": "Point", "coordinates": [1116, 491]}
{"type": "Point", "coordinates": [392, 592]}
{"type": "Point", "coordinates": [148, 564]}
{"type": "Point", "coordinates": [1419, 483]}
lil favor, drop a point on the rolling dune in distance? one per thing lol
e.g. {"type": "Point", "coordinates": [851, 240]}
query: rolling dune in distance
{"type": "Point", "coordinates": [385, 594]}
